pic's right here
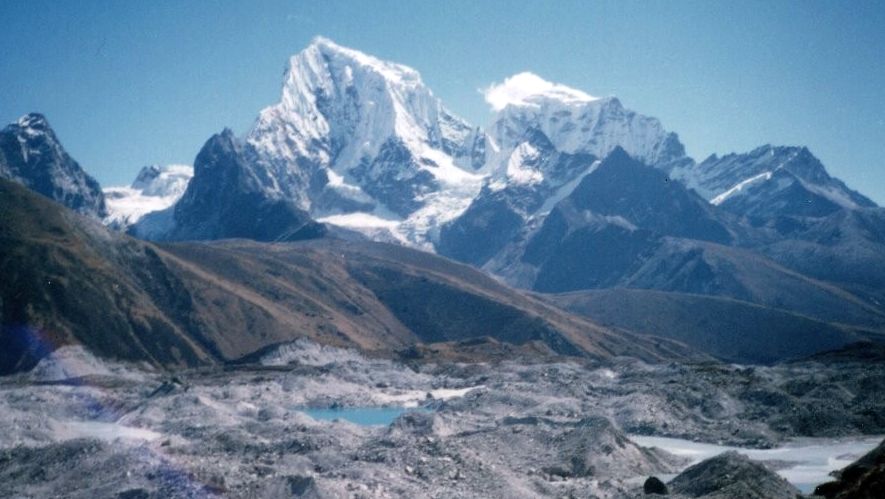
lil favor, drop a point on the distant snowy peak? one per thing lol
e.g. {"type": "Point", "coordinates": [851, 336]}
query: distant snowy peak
{"type": "Point", "coordinates": [575, 122]}
{"type": "Point", "coordinates": [155, 188]}
{"type": "Point", "coordinates": [163, 181]}
{"type": "Point", "coordinates": [341, 106]}
{"type": "Point", "coordinates": [353, 134]}
{"type": "Point", "coordinates": [770, 181]}
{"type": "Point", "coordinates": [547, 137]}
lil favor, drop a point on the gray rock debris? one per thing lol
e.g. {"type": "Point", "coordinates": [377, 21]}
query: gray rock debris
{"type": "Point", "coordinates": [731, 475]}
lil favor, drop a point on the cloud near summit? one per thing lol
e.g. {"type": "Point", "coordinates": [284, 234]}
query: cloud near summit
{"type": "Point", "coordinates": [525, 88]}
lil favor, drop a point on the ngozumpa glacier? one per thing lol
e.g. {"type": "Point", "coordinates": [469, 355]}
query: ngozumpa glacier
{"type": "Point", "coordinates": [364, 295]}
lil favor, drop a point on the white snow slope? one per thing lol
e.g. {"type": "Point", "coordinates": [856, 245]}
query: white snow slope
{"type": "Point", "coordinates": [366, 128]}
{"type": "Point", "coordinates": [155, 188]}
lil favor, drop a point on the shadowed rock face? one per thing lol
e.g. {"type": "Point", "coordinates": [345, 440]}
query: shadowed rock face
{"type": "Point", "coordinates": [863, 479]}
{"type": "Point", "coordinates": [31, 154]}
{"type": "Point", "coordinates": [846, 247]}
{"type": "Point", "coordinates": [727, 328]}
{"type": "Point", "coordinates": [654, 485]}
{"type": "Point", "coordinates": [647, 198]}
{"type": "Point", "coordinates": [730, 475]}
{"type": "Point", "coordinates": [384, 178]}
{"type": "Point", "coordinates": [502, 208]}
{"type": "Point", "coordinates": [68, 280]}
{"type": "Point", "coordinates": [483, 230]}
{"type": "Point", "coordinates": [228, 197]}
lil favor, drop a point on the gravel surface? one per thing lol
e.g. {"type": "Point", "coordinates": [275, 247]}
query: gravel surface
{"type": "Point", "coordinates": [80, 427]}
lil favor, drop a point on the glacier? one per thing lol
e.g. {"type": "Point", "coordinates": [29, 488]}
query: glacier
{"type": "Point", "coordinates": [154, 189]}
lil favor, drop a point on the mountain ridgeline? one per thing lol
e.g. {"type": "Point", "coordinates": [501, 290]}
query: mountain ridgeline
{"type": "Point", "coordinates": [31, 154]}
{"type": "Point", "coordinates": [565, 194]}
{"type": "Point", "coordinates": [226, 199]}
{"type": "Point", "coordinates": [69, 280]}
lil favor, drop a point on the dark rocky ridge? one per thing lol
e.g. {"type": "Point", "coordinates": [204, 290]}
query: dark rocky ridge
{"type": "Point", "coordinates": [67, 280]}
{"type": "Point", "coordinates": [726, 328]}
{"type": "Point", "coordinates": [645, 197]}
{"type": "Point", "coordinates": [796, 184]}
{"type": "Point", "coordinates": [31, 154]}
{"type": "Point", "coordinates": [846, 247]}
{"type": "Point", "coordinates": [862, 479]}
{"type": "Point", "coordinates": [498, 215]}
{"type": "Point", "coordinates": [228, 197]}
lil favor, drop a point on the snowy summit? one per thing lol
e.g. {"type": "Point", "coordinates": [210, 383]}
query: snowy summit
{"type": "Point", "coordinates": [364, 143]}
{"type": "Point", "coordinates": [155, 188]}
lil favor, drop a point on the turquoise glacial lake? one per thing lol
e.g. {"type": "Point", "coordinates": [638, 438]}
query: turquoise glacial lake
{"type": "Point", "coordinates": [364, 416]}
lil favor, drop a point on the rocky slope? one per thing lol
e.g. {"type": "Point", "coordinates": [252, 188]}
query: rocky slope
{"type": "Point", "coordinates": [804, 218]}
{"type": "Point", "coordinates": [626, 207]}
{"type": "Point", "coordinates": [723, 327]}
{"type": "Point", "coordinates": [846, 247]}
{"type": "Point", "coordinates": [731, 475]}
{"type": "Point", "coordinates": [71, 281]}
{"type": "Point", "coordinates": [863, 479]}
{"type": "Point", "coordinates": [79, 427]}
{"type": "Point", "coordinates": [626, 226]}
{"type": "Point", "coordinates": [228, 197]}
{"type": "Point", "coordinates": [67, 279]}
{"type": "Point", "coordinates": [31, 154]}
{"type": "Point", "coordinates": [769, 182]}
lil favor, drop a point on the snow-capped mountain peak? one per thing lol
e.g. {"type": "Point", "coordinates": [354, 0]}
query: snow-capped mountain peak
{"type": "Point", "coordinates": [353, 134]}
{"type": "Point", "coordinates": [574, 121]}
{"type": "Point", "coordinates": [34, 122]}
{"type": "Point", "coordinates": [770, 181]}
{"type": "Point", "coordinates": [155, 188]}
{"type": "Point", "coordinates": [162, 181]}
{"type": "Point", "coordinates": [390, 70]}
{"type": "Point", "coordinates": [32, 155]}
{"type": "Point", "coordinates": [341, 105]}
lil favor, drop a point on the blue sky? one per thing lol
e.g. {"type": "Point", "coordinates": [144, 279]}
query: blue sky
{"type": "Point", "coordinates": [131, 83]}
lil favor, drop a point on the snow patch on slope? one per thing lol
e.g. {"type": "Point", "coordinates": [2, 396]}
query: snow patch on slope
{"type": "Point", "coordinates": [565, 190]}
{"type": "Point", "coordinates": [74, 361]}
{"type": "Point", "coordinates": [109, 432]}
{"type": "Point", "coordinates": [803, 462]}
{"type": "Point", "coordinates": [721, 198]}
{"type": "Point", "coordinates": [833, 193]}
{"type": "Point", "coordinates": [518, 172]}
{"type": "Point", "coordinates": [156, 188]}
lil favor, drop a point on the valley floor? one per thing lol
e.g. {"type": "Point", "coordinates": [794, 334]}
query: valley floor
{"type": "Point", "coordinates": [79, 427]}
